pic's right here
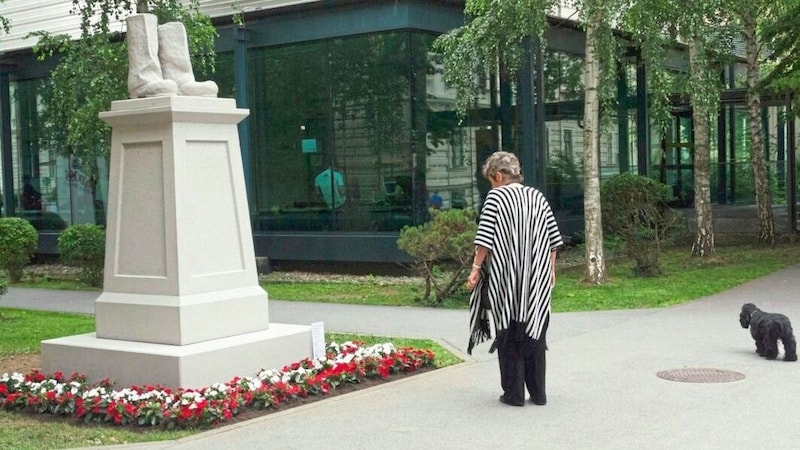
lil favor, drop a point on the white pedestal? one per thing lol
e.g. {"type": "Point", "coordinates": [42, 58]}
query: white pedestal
{"type": "Point", "coordinates": [181, 299]}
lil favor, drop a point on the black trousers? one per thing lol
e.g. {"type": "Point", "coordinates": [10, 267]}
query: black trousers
{"type": "Point", "coordinates": [522, 363]}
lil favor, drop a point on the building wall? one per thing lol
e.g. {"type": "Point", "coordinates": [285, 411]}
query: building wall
{"type": "Point", "coordinates": [28, 16]}
{"type": "Point", "coordinates": [354, 87]}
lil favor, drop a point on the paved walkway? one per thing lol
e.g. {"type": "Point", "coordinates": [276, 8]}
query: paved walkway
{"type": "Point", "coordinates": [603, 392]}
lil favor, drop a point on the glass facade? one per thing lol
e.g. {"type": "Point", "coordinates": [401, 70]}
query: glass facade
{"type": "Point", "coordinates": [356, 135]}
{"type": "Point", "coordinates": [50, 190]}
{"type": "Point", "coordinates": [332, 132]}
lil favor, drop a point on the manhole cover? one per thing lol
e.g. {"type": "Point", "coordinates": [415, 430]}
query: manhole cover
{"type": "Point", "coordinates": [700, 375]}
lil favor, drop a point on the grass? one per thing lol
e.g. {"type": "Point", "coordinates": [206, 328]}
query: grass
{"type": "Point", "coordinates": [685, 278]}
{"type": "Point", "coordinates": [345, 292]}
{"type": "Point", "coordinates": [54, 283]}
{"type": "Point", "coordinates": [22, 330]}
{"type": "Point", "coordinates": [27, 432]}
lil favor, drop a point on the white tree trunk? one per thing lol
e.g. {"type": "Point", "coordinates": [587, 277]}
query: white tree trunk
{"type": "Point", "coordinates": [704, 239]}
{"type": "Point", "coordinates": [595, 263]}
{"type": "Point", "coordinates": [766, 220]}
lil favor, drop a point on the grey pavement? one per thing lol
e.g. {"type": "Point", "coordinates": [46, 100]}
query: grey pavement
{"type": "Point", "coordinates": [603, 389]}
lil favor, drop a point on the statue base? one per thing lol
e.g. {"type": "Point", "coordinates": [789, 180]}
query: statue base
{"type": "Point", "coordinates": [130, 363]}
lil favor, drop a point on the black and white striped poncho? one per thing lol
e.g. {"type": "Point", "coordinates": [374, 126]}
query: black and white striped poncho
{"type": "Point", "coordinates": [519, 229]}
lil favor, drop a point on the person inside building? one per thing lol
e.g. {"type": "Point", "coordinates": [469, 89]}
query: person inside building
{"type": "Point", "coordinates": [436, 201]}
{"type": "Point", "coordinates": [31, 198]}
{"type": "Point", "coordinates": [330, 183]}
{"type": "Point", "coordinates": [513, 273]}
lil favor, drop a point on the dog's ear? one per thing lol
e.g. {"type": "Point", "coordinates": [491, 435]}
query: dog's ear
{"type": "Point", "coordinates": [744, 319]}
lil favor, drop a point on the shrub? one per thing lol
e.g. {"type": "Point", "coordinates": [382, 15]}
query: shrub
{"type": "Point", "coordinates": [18, 241]}
{"type": "Point", "coordinates": [3, 283]}
{"type": "Point", "coordinates": [84, 246]}
{"type": "Point", "coordinates": [442, 249]}
{"type": "Point", "coordinates": [634, 207]}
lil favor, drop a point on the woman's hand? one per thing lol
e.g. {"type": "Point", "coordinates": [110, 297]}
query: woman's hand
{"type": "Point", "coordinates": [473, 278]}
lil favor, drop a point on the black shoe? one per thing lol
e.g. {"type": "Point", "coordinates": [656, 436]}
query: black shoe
{"type": "Point", "coordinates": [507, 401]}
{"type": "Point", "coordinates": [538, 401]}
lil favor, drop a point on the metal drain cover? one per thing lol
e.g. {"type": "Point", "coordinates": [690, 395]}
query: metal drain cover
{"type": "Point", "coordinates": [690, 375]}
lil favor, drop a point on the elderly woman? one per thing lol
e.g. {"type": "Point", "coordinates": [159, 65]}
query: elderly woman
{"type": "Point", "coordinates": [512, 277]}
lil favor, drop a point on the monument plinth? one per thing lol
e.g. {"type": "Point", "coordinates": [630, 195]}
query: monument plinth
{"type": "Point", "coordinates": [181, 304]}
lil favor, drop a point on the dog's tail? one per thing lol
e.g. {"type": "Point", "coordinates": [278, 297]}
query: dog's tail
{"type": "Point", "coordinates": [785, 333]}
{"type": "Point", "coordinates": [789, 347]}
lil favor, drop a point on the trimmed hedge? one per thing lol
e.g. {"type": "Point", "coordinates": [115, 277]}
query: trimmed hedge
{"type": "Point", "coordinates": [84, 246]}
{"type": "Point", "coordinates": [18, 242]}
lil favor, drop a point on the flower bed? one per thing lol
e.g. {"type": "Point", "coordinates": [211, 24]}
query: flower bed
{"type": "Point", "coordinates": [158, 406]}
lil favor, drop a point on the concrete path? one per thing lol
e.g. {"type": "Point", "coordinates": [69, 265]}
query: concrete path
{"type": "Point", "coordinates": [603, 388]}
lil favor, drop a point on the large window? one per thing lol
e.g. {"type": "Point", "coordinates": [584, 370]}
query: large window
{"type": "Point", "coordinates": [331, 135]}
{"type": "Point", "coordinates": [336, 126]}
{"type": "Point", "coordinates": [51, 190]}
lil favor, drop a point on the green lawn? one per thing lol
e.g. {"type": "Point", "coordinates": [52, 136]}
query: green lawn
{"type": "Point", "coordinates": [685, 278]}
{"type": "Point", "coordinates": [22, 330]}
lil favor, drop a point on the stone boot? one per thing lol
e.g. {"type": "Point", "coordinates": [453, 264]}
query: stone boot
{"type": "Point", "coordinates": [144, 68]}
{"type": "Point", "coordinates": [173, 51]}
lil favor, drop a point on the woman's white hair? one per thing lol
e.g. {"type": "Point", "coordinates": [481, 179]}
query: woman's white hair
{"type": "Point", "coordinates": [504, 162]}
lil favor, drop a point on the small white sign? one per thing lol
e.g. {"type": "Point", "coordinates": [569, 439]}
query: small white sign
{"type": "Point", "coordinates": [318, 339]}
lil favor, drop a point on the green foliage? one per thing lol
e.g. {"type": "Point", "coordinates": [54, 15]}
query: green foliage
{"type": "Point", "coordinates": [442, 249]}
{"type": "Point", "coordinates": [600, 15]}
{"type": "Point", "coordinates": [3, 283]}
{"type": "Point", "coordinates": [92, 72]}
{"type": "Point", "coordinates": [5, 24]}
{"type": "Point", "coordinates": [780, 35]}
{"type": "Point", "coordinates": [18, 241]}
{"type": "Point", "coordinates": [84, 246]}
{"type": "Point", "coordinates": [655, 25]}
{"type": "Point", "coordinates": [494, 34]}
{"type": "Point", "coordinates": [634, 207]}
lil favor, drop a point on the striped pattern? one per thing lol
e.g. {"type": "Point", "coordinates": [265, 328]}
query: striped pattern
{"type": "Point", "coordinates": [518, 227]}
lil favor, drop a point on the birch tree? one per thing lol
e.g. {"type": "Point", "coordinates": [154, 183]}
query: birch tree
{"type": "Point", "coordinates": [784, 49]}
{"type": "Point", "coordinates": [599, 76]}
{"type": "Point", "coordinates": [702, 110]}
{"type": "Point", "coordinates": [494, 36]}
{"type": "Point", "coordinates": [749, 14]}
{"type": "Point", "coordinates": [701, 26]}
{"type": "Point", "coordinates": [593, 217]}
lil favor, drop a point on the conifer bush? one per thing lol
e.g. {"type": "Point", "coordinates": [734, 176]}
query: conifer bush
{"type": "Point", "coordinates": [442, 249]}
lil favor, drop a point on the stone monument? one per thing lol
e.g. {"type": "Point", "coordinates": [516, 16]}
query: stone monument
{"type": "Point", "coordinates": [181, 305]}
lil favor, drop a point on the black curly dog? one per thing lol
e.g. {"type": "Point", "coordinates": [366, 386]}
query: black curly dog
{"type": "Point", "coordinates": [766, 329]}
